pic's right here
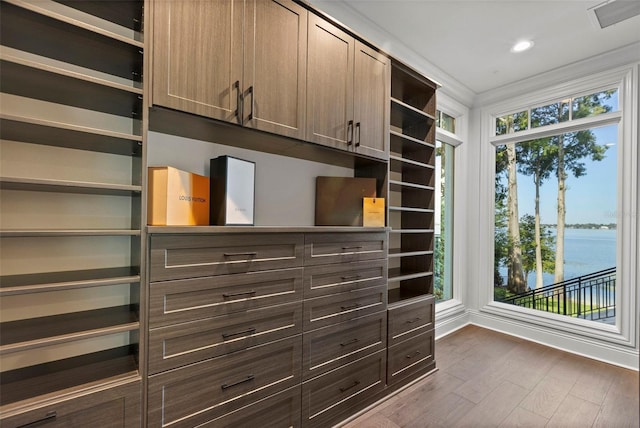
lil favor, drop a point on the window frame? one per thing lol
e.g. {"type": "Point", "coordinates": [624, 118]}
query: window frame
{"type": "Point", "coordinates": [625, 79]}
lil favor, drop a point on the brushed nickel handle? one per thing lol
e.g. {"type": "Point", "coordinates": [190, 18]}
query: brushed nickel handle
{"type": "Point", "coordinates": [239, 100]}
{"type": "Point", "coordinates": [230, 385]}
{"type": "Point", "coordinates": [239, 333]}
{"type": "Point", "coordinates": [350, 133]}
{"type": "Point", "coordinates": [243, 293]}
{"type": "Point", "coordinates": [250, 91]}
{"type": "Point", "coordinates": [351, 342]}
{"type": "Point", "coordinates": [348, 308]}
{"type": "Point", "coordinates": [415, 354]}
{"type": "Point", "coordinates": [358, 134]}
{"type": "Point", "coordinates": [346, 388]}
{"type": "Point", "coordinates": [413, 320]}
{"type": "Point", "coordinates": [249, 253]}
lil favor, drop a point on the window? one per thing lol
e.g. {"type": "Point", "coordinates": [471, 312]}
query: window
{"type": "Point", "coordinates": [443, 246]}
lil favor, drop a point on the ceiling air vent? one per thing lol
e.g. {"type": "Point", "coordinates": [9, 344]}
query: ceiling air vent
{"type": "Point", "coordinates": [613, 11]}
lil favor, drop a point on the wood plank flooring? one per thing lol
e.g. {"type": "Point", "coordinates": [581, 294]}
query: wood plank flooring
{"type": "Point", "coordinates": [489, 379]}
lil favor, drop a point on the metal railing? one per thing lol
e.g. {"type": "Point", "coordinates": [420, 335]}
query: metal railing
{"type": "Point", "coordinates": [591, 296]}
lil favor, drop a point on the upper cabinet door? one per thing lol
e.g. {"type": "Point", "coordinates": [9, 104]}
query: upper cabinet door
{"type": "Point", "coordinates": [197, 65]}
{"type": "Point", "coordinates": [372, 83]}
{"type": "Point", "coordinates": [329, 85]}
{"type": "Point", "coordinates": [275, 67]}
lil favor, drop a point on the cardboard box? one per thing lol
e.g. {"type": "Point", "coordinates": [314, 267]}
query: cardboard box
{"type": "Point", "coordinates": [177, 198]}
{"type": "Point", "coordinates": [233, 183]}
{"type": "Point", "coordinates": [373, 210]}
{"type": "Point", "coordinates": [339, 200]}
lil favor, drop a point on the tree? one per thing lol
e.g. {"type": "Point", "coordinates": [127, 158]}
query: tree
{"type": "Point", "coordinates": [536, 158]}
{"type": "Point", "coordinates": [534, 244]}
{"type": "Point", "coordinates": [572, 149]}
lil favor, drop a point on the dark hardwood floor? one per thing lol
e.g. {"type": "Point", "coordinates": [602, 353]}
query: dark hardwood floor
{"type": "Point", "coordinates": [489, 379]}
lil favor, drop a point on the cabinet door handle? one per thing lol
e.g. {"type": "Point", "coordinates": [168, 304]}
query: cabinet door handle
{"type": "Point", "coordinates": [358, 134]}
{"type": "Point", "coordinates": [244, 293]}
{"type": "Point", "coordinates": [353, 247]}
{"type": "Point", "coordinates": [49, 417]}
{"type": "Point", "coordinates": [350, 133]}
{"type": "Point", "coordinates": [238, 112]}
{"type": "Point", "coordinates": [239, 333]}
{"type": "Point", "coordinates": [415, 354]}
{"type": "Point", "coordinates": [350, 278]}
{"type": "Point", "coordinates": [250, 91]}
{"type": "Point", "coordinates": [230, 385]}
{"type": "Point", "coordinates": [413, 320]}
{"type": "Point", "coordinates": [351, 342]}
{"type": "Point", "coordinates": [346, 388]}
{"type": "Point", "coordinates": [250, 254]}
{"type": "Point", "coordinates": [348, 308]}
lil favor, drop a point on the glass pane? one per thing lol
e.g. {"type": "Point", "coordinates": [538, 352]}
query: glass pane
{"type": "Point", "coordinates": [555, 224]}
{"type": "Point", "coordinates": [512, 123]}
{"type": "Point", "coordinates": [595, 104]}
{"type": "Point", "coordinates": [550, 114]}
{"type": "Point", "coordinates": [446, 122]}
{"type": "Point", "coordinates": [443, 249]}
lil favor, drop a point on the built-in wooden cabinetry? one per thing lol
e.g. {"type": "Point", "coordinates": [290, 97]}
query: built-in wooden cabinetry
{"type": "Point", "coordinates": [241, 61]}
{"type": "Point", "coordinates": [70, 229]}
{"type": "Point", "coordinates": [347, 91]}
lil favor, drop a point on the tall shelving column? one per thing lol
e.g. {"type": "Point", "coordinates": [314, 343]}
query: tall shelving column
{"type": "Point", "coordinates": [70, 208]}
{"type": "Point", "coordinates": [411, 185]}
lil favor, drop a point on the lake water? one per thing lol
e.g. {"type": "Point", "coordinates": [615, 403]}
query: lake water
{"type": "Point", "coordinates": [585, 251]}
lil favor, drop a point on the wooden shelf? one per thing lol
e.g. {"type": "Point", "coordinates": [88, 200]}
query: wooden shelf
{"type": "Point", "coordinates": [102, 368]}
{"type": "Point", "coordinates": [397, 274]}
{"type": "Point", "coordinates": [46, 132]}
{"type": "Point", "coordinates": [39, 332]}
{"type": "Point", "coordinates": [126, 13]}
{"type": "Point", "coordinates": [400, 138]}
{"type": "Point", "coordinates": [399, 163]}
{"type": "Point", "coordinates": [41, 233]}
{"type": "Point", "coordinates": [411, 231]}
{"type": "Point", "coordinates": [79, 19]}
{"type": "Point", "coordinates": [65, 186]}
{"type": "Point", "coordinates": [398, 253]}
{"type": "Point", "coordinates": [404, 112]}
{"type": "Point", "coordinates": [410, 209]}
{"type": "Point", "coordinates": [55, 281]}
{"type": "Point", "coordinates": [397, 186]}
{"type": "Point", "coordinates": [398, 297]}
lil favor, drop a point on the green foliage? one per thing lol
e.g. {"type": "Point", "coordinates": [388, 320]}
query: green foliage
{"type": "Point", "coordinates": [528, 246]}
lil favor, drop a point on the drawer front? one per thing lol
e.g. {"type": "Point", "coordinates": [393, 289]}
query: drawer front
{"type": "Point", "coordinates": [336, 308]}
{"type": "Point", "coordinates": [410, 319]}
{"type": "Point", "coordinates": [191, 299]}
{"type": "Point", "coordinates": [206, 390]}
{"type": "Point", "coordinates": [333, 346]}
{"type": "Point", "coordinates": [278, 411]}
{"type": "Point", "coordinates": [109, 408]}
{"type": "Point", "coordinates": [190, 256]}
{"type": "Point", "coordinates": [326, 248]}
{"type": "Point", "coordinates": [329, 398]}
{"type": "Point", "coordinates": [339, 278]}
{"type": "Point", "coordinates": [186, 343]}
{"type": "Point", "coordinates": [410, 356]}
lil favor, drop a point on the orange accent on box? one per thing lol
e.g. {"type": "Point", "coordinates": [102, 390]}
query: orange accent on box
{"type": "Point", "coordinates": [177, 198]}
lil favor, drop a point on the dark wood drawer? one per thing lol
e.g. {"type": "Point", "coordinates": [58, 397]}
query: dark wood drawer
{"type": "Point", "coordinates": [333, 346]}
{"type": "Point", "coordinates": [201, 392]}
{"type": "Point", "coordinates": [191, 299]}
{"type": "Point", "coordinates": [410, 356]}
{"type": "Point", "coordinates": [281, 410]}
{"type": "Point", "coordinates": [336, 308]}
{"type": "Point", "coordinates": [185, 343]}
{"type": "Point", "coordinates": [338, 278]}
{"type": "Point", "coordinates": [117, 407]}
{"type": "Point", "coordinates": [326, 248]}
{"type": "Point", "coordinates": [331, 397]}
{"type": "Point", "coordinates": [406, 320]}
{"type": "Point", "coordinates": [190, 256]}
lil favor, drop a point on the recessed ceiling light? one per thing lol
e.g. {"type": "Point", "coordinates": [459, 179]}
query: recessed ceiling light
{"type": "Point", "coordinates": [522, 46]}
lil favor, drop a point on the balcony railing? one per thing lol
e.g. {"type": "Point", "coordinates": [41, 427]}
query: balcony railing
{"type": "Point", "coordinates": [591, 296]}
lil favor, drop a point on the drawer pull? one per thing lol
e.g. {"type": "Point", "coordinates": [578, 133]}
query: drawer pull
{"type": "Point", "coordinates": [351, 342]}
{"type": "Point", "coordinates": [249, 254]}
{"type": "Point", "coordinates": [348, 308]}
{"type": "Point", "coordinates": [415, 354]}
{"type": "Point", "coordinates": [353, 247]}
{"type": "Point", "coordinates": [346, 388]}
{"type": "Point", "coordinates": [50, 417]}
{"type": "Point", "coordinates": [240, 333]}
{"type": "Point", "coordinates": [244, 293]}
{"type": "Point", "coordinates": [248, 379]}
{"type": "Point", "coordinates": [413, 320]}
{"type": "Point", "coordinates": [350, 278]}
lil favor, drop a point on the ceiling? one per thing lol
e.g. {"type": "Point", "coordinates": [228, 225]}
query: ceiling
{"type": "Point", "coordinates": [470, 40]}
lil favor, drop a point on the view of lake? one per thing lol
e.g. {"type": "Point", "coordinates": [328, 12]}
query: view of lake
{"type": "Point", "coordinates": [585, 251]}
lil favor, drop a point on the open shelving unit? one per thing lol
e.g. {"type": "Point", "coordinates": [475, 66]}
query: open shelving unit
{"type": "Point", "coordinates": [70, 197]}
{"type": "Point", "coordinates": [411, 185]}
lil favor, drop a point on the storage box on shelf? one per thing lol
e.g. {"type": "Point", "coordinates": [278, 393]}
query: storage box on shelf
{"type": "Point", "coordinates": [71, 202]}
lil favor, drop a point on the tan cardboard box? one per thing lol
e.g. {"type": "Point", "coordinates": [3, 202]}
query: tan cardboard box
{"type": "Point", "coordinates": [177, 198]}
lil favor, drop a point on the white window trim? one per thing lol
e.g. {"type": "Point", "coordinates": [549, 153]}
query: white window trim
{"type": "Point", "coordinates": [624, 334]}
{"type": "Point", "coordinates": [454, 310]}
